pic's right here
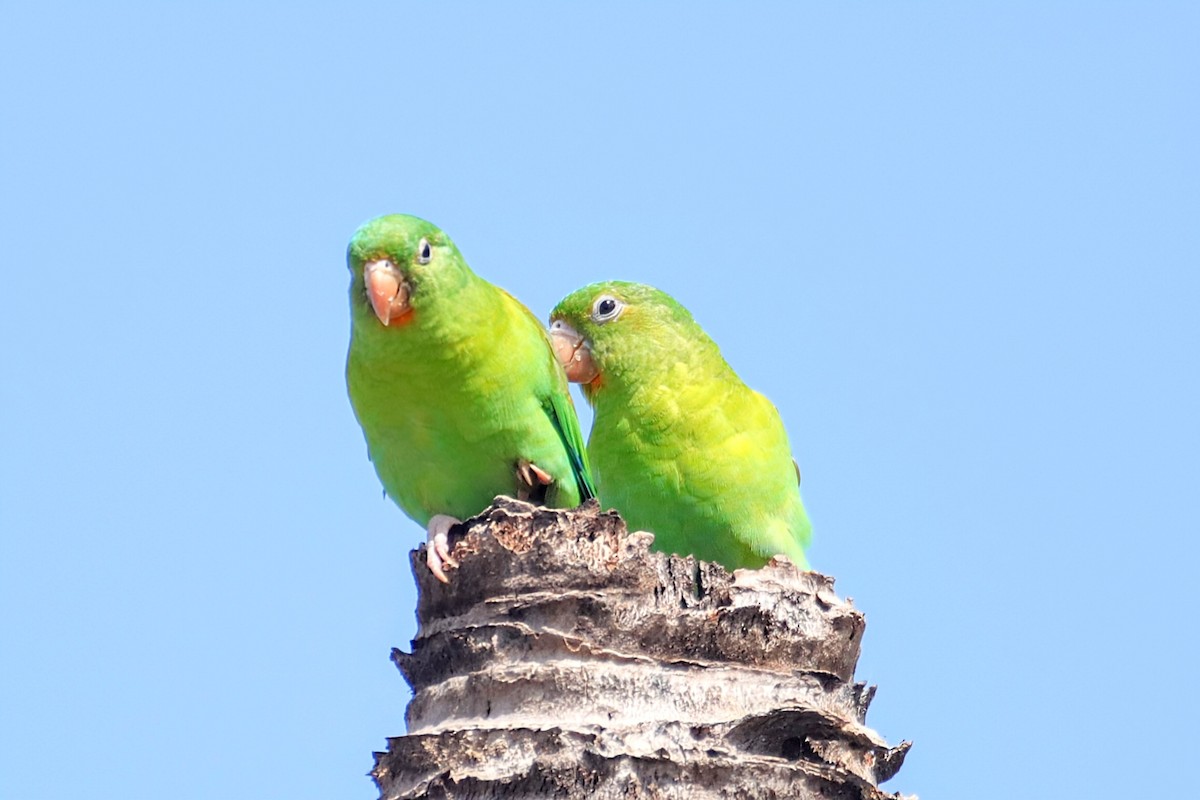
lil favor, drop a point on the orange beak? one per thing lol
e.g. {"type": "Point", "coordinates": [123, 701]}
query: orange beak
{"type": "Point", "coordinates": [387, 290]}
{"type": "Point", "coordinates": [573, 353]}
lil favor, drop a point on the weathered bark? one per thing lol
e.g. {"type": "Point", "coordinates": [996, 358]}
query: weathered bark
{"type": "Point", "coordinates": [565, 659]}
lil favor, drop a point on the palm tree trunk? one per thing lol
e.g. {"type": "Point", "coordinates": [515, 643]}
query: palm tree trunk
{"type": "Point", "coordinates": [565, 659]}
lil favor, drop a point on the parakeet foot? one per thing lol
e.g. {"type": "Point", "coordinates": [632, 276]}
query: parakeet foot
{"type": "Point", "coordinates": [535, 480]}
{"type": "Point", "coordinates": [437, 545]}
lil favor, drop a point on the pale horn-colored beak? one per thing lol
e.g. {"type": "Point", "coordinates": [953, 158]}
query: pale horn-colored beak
{"type": "Point", "coordinates": [573, 353]}
{"type": "Point", "coordinates": [387, 290]}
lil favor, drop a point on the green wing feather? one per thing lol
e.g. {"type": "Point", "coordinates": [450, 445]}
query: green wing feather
{"type": "Point", "coordinates": [561, 410]}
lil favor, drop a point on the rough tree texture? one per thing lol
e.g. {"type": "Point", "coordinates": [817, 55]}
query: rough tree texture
{"type": "Point", "coordinates": [567, 660]}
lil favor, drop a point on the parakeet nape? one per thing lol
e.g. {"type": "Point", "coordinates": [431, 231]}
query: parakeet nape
{"type": "Point", "coordinates": [454, 383]}
{"type": "Point", "coordinates": [680, 446]}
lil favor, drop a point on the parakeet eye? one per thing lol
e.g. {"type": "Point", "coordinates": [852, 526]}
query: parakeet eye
{"type": "Point", "coordinates": [424, 252]}
{"type": "Point", "coordinates": [606, 308]}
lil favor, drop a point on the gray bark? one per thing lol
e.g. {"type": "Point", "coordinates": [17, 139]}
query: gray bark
{"type": "Point", "coordinates": [565, 659]}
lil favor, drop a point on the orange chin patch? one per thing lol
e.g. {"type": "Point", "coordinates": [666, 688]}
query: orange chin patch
{"type": "Point", "coordinates": [592, 387]}
{"type": "Point", "coordinates": [402, 320]}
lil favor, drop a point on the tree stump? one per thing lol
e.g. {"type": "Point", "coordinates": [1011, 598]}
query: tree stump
{"type": "Point", "coordinates": [566, 659]}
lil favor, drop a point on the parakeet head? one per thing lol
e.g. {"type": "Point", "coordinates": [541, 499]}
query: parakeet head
{"type": "Point", "coordinates": [606, 331]}
{"type": "Point", "coordinates": [399, 264]}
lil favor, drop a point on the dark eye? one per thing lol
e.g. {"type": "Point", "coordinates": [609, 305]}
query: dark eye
{"type": "Point", "coordinates": [424, 252]}
{"type": "Point", "coordinates": [606, 308]}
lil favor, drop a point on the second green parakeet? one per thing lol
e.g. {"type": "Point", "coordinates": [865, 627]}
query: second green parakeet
{"type": "Point", "coordinates": [454, 383]}
{"type": "Point", "coordinates": [679, 445]}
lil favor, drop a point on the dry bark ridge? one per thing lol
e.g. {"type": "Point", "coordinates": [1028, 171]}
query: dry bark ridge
{"type": "Point", "coordinates": [565, 659]}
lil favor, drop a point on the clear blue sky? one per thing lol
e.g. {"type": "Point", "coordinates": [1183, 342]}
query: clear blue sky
{"type": "Point", "coordinates": [957, 244]}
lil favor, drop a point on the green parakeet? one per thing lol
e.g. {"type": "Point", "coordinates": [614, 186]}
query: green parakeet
{"type": "Point", "coordinates": [679, 445]}
{"type": "Point", "coordinates": [454, 383]}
